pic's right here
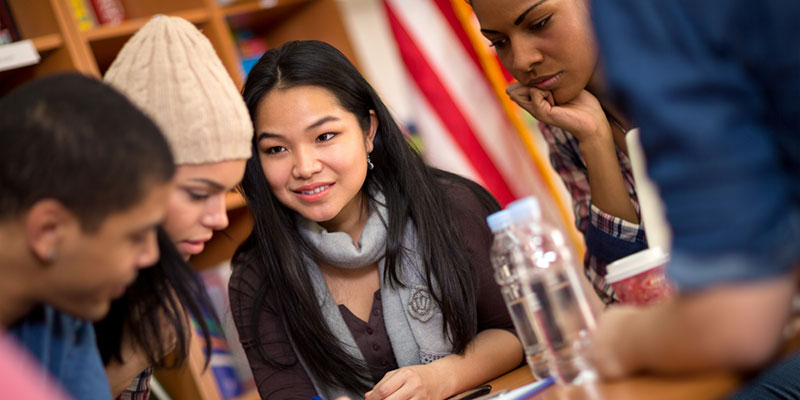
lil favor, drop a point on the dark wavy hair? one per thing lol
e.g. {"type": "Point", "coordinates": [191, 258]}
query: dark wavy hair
{"type": "Point", "coordinates": [169, 291]}
{"type": "Point", "coordinates": [412, 190]}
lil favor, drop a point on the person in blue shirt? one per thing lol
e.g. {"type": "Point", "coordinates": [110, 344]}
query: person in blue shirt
{"type": "Point", "coordinates": [84, 179]}
{"type": "Point", "coordinates": [715, 87]}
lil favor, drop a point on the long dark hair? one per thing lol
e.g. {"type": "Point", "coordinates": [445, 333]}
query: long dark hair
{"type": "Point", "coordinates": [165, 292]}
{"type": "Point", "coordinates": [412, 191]}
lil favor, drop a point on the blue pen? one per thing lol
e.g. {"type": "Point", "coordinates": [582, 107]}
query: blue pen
{"type": "Point", "coordinates": [529, 390]}
{"type": "Point", "coordinates": [317, 398]}
{"type": "Point", "coordinates": [521, 392]}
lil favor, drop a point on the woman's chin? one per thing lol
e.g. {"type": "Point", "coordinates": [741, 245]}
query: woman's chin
{"type": "Point", "coordinates": [564, 96]}
{"type": "Point", "coordinates": [318, 216]}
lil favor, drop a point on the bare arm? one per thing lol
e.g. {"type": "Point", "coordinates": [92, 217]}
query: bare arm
{"type": "Point", "coordinates": [605, 179]}
{"type": "Point", "coordinates": [727, 327]}
{"type": "Point", "coordinates": [583, 117]}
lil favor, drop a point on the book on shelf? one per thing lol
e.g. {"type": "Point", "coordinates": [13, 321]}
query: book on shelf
{"type": "Point", "coordinates": [228, 360]}
{"type": "Point", "coordinates": [14, 52]}
{"type": "Point", "coordinates": [251, 48]}
{"type": "Point", "coordinates": [221, 361]}
{"type": "Point", "coordinates": [108, 12]}
{"type": "Point", "coordinates": [8, 27]}
{"type": "Point", "coordinates": [83, 14]}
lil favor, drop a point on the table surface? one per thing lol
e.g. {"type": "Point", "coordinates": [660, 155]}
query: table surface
{"type": "Point", "coordinates": [696, 387]}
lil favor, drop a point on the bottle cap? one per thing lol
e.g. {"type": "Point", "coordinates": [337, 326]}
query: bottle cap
{"type": "Point", "coordinates": [525, 208]}
{"type": "Point", "coordinates": [499, 220]}
{"type": "Point", "coordinates": [635, 264]}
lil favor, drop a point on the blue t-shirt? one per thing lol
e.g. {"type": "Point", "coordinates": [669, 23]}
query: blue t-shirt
{"type": "Point", "coordinates": [66, 348]}
{"type": "Point", "coordinates": [715, 87]}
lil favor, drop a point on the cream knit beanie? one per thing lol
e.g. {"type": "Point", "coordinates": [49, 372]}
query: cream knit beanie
{"type": "Point", "coordinates": [170, 70]}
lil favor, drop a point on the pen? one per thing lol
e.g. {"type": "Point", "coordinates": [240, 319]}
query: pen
{"type": "Point", "coordinates": [521, 392]}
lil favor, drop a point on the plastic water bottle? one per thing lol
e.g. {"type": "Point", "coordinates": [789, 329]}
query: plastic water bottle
{"type": "Point", "coordinates": [548, 274]}
{"type": "Point", "coordinates": [505, 241]}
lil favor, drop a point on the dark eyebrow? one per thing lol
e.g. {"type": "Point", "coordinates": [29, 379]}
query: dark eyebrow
{"type": "Point", "coordinates": [518, 20]}
{"type": "Point", "coordinates": [525, 13]}
{"type": "Point", "coordinates": [322, 121]}
{"type": "Point", "coordinates": [266, 135]}
{"type": "Point", "coordinates": [208, 182]}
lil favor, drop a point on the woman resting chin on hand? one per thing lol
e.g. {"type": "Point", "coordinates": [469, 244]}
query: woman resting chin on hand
{"type": "Point", "coordinates": [549, 48]}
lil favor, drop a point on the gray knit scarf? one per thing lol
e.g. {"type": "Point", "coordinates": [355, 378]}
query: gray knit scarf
{"type": "Point", "coordinates": [413, 321]}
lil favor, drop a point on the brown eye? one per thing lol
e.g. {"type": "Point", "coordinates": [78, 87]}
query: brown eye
{"type": "Point", "coordinates": [274, 150]}
{"type": "Point", "coordinates": [541, 24]}
{"type": "Point", "coordinates": [325, 137]}
{"type": "Point", "coordinates": [195, 195]}
{"type": "Point", "coordinates": [498, 43]}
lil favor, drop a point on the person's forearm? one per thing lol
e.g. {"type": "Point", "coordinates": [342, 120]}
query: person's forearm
{"type": "Point", "coordinates": [490, 354]}
{"type": "Point", "coordinates": [732, 327]}
{"type": "Point", "coordinates": [606, 183]}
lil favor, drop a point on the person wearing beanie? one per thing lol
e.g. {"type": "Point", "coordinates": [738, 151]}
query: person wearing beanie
{"type": "Point", "coordinates": [170, 70]}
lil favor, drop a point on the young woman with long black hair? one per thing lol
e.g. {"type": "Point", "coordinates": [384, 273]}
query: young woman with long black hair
{"type": "Point", "coordinates": [367, 273]}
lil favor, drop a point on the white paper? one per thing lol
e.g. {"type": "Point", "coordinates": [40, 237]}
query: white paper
{"type": "Point", "coordinates": [654, 219]}
{"type": "Point", "coordinates": [18, 54]}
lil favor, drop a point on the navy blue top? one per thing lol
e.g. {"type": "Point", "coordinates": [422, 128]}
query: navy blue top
{"type": "Point", "coordinates": [67, 349]}
{"type": "Point", "coordinates": [715, 87]}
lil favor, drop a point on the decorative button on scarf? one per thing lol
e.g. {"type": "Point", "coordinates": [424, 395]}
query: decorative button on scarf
{"type": "Point", "coordinates": [420, 304]}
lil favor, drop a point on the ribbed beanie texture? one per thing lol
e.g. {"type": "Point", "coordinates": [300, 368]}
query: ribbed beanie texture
{"type": "Point", "coordinates": [170, 70]}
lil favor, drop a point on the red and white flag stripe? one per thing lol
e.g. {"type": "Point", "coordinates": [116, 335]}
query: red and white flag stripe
{"type": "Point", "coordinates": [460, 120]}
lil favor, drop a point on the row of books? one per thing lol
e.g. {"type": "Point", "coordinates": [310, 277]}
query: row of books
{"type": "Point", "coordinates": [251, 47]}
{"type": "Point", "coordinates": [91, 13]}
{"type": "Point", "coordinates": [228, 362]}
{"type": "Point", "coordinates": [87, 13]}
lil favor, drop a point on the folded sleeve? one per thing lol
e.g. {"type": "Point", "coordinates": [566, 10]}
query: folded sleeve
{"type": "Point", "coordinates": [610, 238]}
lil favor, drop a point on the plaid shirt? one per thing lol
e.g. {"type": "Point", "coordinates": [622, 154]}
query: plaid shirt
{"type": "Point", "coordinates": [139, 388]}
{"type": "Point", "coordinates": [607, 237]}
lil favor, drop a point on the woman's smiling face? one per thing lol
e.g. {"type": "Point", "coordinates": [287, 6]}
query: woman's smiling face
{"type": "Point", "coordinates": [314, 154]}
{"type": "Point", "coordinates": [548, 44]}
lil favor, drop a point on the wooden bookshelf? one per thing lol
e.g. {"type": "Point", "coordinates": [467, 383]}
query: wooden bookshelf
{"type": "Point", "coordinates": [46, 43]}
{"type": "Point", "coordinates": [131, 25]}
{"type": "Point", "coordinates": [234, 200]}
{"type": "Point", "coordinates": [247, 7]}
{"type": "Point", "coordinates": [51, 26]}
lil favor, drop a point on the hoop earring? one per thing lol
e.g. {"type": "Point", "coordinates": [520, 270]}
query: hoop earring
{"type": "Point", "coordinates": [370, 165]}
{"type": "Point", "coordinates": [51, 255]}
